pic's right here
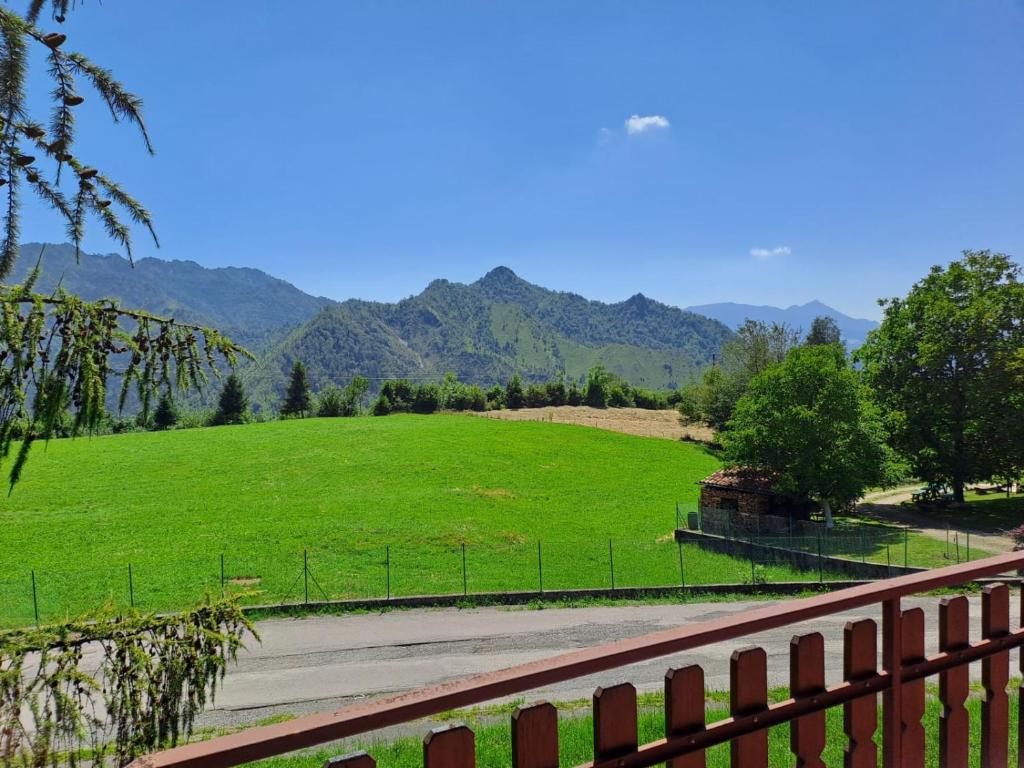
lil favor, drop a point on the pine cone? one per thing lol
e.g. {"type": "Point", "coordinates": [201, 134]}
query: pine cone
{"type": "Point", "coordinates": [54, 40]}
{"type": "Point", "coordinates": [34, 133]}
{"type": "Point", "coordinates": [24, 160]}
{"type": "Point", "coordinates": [87, 173]}
{"type": "Point", "coordinates": [73, 100]}
{"type": "Point", "coordinates": [103, 203]}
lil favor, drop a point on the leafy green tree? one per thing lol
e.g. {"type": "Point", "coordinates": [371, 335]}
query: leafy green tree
{"type": "Point", "coordinates": [355, 396]}
{"type": "Point", "coordinates": [166, 414]}
{"type": "Point", "coordinates": [756, 347]}
{"type": "Point", "coordinates": [426, 398]}
{"type": "Point", "coordinates": [574, 395]}
{"type": "Point", "coordinates": [495, 398]}
{"type": "Point", "coordinates": [330, 402]}
{"type": "Point", "coordinates": [824, 330]}
{"type": "Point", "coordinates": [297, 400]}
{"type": "Point", "coordinates": [232, 404]}
{"type": "Point", "coordinates": [536, 396]}
{"type": "Point", "coordinates": [811, 421]}
{"type": "Point", "coordinates": [946, 366]}
{"type": "Point", "coordinates": [514, 397]}
{"type": "Point", "coordinates": [596, 391]}
{"type": "Point", "coordinates": [556, 394]}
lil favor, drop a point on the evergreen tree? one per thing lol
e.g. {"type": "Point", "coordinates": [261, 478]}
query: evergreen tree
{"type": "Point", "coordinates": [514, 397]}
{"type": "Point", "coordinates": [297, 401]}
{"type": "Point", "coordinates": [38, 370]}
{"type": "Point", "coordinates": [166, 414]}
{"type": "Point", "coordinates": [232, 405]}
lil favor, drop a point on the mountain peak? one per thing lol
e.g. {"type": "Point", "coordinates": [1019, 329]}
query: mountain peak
{"type": "Point", "coordinates": [499, 275]}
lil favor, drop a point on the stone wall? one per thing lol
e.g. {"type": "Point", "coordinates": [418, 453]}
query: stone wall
{"type": "Point", "coordinates": [750, 503]}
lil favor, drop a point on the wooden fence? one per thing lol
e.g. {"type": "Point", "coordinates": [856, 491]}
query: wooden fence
{"type": "Point", "coordinates": [898, 680]}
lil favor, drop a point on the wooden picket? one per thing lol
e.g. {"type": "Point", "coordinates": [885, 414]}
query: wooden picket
{"type": "Point", "coordinates": [684, 710]}
{"type": "Point", "coordinates": [807, 680]}
{"type": "Point", "coordinates": [912, 735]}
{"type": "Point", "coordinates": [954, 684]}
{"type": "Point", "coordinates": [615, 732]}
{"type": "Point", "coordinates": [748, 695]}
{"type": "Point", "coordinates": [860, 716]}
{"type": "Point", "coordinates": [995, 674]}
{"type": "Point", "coordinates": [535, 736]}
{"type": "Point", "coordinates": [453, 746]}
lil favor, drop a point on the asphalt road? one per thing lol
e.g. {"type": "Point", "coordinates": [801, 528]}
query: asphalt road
{"type": "Point", "coordinates": [323, 663]}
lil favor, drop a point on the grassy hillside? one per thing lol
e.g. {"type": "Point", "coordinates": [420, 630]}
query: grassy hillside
{"type": "Point", "coordinates": [171, 503]}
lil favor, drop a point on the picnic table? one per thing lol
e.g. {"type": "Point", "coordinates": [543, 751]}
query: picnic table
{"type": "Point", "coordinates": [932, 493]}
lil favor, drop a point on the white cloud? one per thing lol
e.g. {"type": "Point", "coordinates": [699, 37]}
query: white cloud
{"type": "Point", "coordinates": [638, 124]}
{"type": "Point", "coordinates": [767, 253]}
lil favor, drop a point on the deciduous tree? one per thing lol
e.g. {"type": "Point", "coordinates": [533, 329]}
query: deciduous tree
{"type": "Point", "coordinates": [810, 421]}
{"type": "Point", "coordinates": [947, 367]}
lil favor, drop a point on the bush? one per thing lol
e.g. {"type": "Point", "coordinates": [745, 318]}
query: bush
{"type": "Point", "coordinates": [395, 396]}
{"type": "Point", "coordinates": [495, 398]}
{"type": "Point", "coordinates": [620, 396]}
{"type": "Point", "coordinates": [646, 398]}
{"type": "Point", "coordinates": [573, 395]}
{"type": "Point", "coordinates": [330, 402]}
{"type": "Point", "coordinates": [536, 396]}
{"type": "Point", "coordinates": [556, 391]}
{"type": "Point", "coordinates": [426, 399]}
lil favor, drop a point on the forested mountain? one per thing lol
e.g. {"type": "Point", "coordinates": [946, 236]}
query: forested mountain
{"type": "Point", "coordinates": [488, 330]}
{"type": "Point", "coordinates": [248, 305]}
{"type": "Point", "coordinates": [853, 329]}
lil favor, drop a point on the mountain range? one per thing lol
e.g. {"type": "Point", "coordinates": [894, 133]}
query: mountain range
{"type": "Point", "coordinates": [854, 330]}
{"type": "Point", "coordinates": [483, 331]}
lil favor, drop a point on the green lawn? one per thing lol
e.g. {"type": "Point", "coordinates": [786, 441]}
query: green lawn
{"type": "Point", "coordinates": [493, 738]}
{"type": "Point", "coordinates": [170, 504]}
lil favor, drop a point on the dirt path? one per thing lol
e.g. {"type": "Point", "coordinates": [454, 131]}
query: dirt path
{"type": "Point", "coordinates": [631, 421]}
{"type": "Point", "coordinates": [887, 506]}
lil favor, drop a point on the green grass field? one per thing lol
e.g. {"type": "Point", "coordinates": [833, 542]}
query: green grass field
{"type": "Point", "coordinates": [171, 503]}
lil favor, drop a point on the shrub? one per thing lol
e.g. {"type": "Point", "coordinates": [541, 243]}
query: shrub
{"type": "Point", "coordinates": [536, 396]}
{"type": "Point", "coordinates": [330, 402]}
{"type": "Point", "coordinates": [620, 396]}
{"type": "Point", "coordinates": [556, 391]}
{"type": "Point", "coordinates": [495, 398]}
{"type": "Point", "coordinates": [426, 399]}
{"type": "Point", "coordinates": [573, 395]}
{"type": "Point", "coordinates": [646, 398]}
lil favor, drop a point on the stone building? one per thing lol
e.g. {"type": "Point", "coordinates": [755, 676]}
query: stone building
{"type": "Point", "coordinates": [748, 490]}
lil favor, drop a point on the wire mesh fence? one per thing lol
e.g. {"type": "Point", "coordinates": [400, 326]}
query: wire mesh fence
{"type": "Point", "coordinates": [868, 543]}
{"type": "Point", "coordinates": [404, 569]}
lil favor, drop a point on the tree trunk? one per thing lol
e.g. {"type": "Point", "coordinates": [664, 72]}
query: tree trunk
{"type": "Point", "coordinates": [826, 510]}
{"type": "Point", "coordinates": [958, 490]}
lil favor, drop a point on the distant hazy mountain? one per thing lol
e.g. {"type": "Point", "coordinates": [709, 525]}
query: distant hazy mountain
{"type": "Point", "coordinates": [854, 330]}
{"type": "Point", "coordinates": [491, 329]}
{"type": "Point", "coordinates": [248, 305]}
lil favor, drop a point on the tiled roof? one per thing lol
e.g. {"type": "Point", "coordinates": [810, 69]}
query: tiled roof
{"type": "Point", "coordinates": [744, 479]}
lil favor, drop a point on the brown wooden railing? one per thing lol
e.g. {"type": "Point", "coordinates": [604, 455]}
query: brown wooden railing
{"type": "Point", "coordinates": [899, 680]}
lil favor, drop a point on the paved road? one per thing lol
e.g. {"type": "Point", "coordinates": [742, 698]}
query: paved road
{"type": "Point", "coordinates": [322, 663]}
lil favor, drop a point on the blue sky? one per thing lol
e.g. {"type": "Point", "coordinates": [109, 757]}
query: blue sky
{"type": "Point", "coordinates": [782, 151]}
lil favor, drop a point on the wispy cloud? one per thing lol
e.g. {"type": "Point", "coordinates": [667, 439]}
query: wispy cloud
{"type": "Point", "coordinates": [642, 124]}
{"type": "Point", "coordinates": [767, 253]}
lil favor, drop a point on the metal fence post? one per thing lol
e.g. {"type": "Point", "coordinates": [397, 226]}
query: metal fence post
{"type": "Point", "coordinates": [35, 598]}
{"type": "Point", "coordinates": [465, 583]}
{"type": "Point", "coordinates": [540, 568]}
{"type": "Point", "coordinates": [968, 546]}
{"type": "Point", "coordinates": [611, 563]}
{"type": "Point", "coordinates": [131, 587]}
{"type": "Point", "coordinates": [750, 554]}
{"type": "Point", "coordinates": [906, 540]}
{"type": "Point", "coordinates": [387, 569]}
{"type": "Point", "coordinates": [956, 538]}
{"type": "Point", "coordinates": [821, 570]}
{"type": "Point", "coordinates": [305, 575]}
